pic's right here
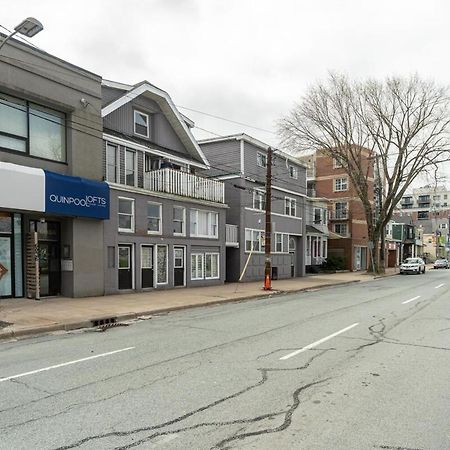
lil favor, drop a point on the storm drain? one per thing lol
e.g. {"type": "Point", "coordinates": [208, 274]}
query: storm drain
{"type": "Point", "coordinates": [102, 322]}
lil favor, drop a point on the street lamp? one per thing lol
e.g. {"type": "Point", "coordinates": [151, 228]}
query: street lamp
{"type": "Point", "coordinates": [28, 27]}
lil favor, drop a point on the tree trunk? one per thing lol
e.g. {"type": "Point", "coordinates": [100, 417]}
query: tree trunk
{"type": "Point", "coordinates": [375, 265]}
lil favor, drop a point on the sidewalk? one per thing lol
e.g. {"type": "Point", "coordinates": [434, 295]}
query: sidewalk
{"type": "Point", "coordinates": [21, 317]}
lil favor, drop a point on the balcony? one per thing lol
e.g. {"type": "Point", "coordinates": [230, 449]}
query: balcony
{"type": "Point", "coordinates": [338, 215]}
{"type": "Point", "coordinates": [184, 184]}
{"type": "Point", "coordinates": [311, 193]}
{"type": "Point", "coordinates": [231, 236]}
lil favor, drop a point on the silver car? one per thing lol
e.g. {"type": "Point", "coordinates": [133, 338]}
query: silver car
{"type": "Point", "coordinates": [412, 265]}
{"type": "Point", "coordinates": [441, 264]}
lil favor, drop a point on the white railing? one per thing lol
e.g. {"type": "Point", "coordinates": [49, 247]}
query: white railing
{"type": "Point", "coordinates": [184, 184]}
{"type": "Point", "coordinates": [232, 237]}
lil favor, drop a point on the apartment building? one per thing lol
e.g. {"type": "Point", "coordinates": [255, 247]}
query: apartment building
{"type": "Point", "coordinates": [348, 237]}
{"type": "Point", "coordinates": [167, 225]}
{"type": "Point", "coordinates": [241, 162]}
{"type": "Point", "coordinates": [52, 200]}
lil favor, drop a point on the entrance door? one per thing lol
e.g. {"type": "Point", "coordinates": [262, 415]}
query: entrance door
{"type": "Point", "coordinates": [49, 268]}
{"type": "Point", "coordinates": [5, 267]}
{"type": "Point", "coordinates": [178, 266]}
{"type": "Point", "coordinates": [292, 256]}
{"type": "Point", "coordinates": [125, 267]}
{"type": "Point", "coordinates": [147, 271]}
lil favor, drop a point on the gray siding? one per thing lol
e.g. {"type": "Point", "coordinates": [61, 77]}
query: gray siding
{"type": "Point", "coordinates": [224, 157]}
{"type": "Point", "coordinates": [141, 237]}
{"type": "Point", "coordinates": [161, 132]}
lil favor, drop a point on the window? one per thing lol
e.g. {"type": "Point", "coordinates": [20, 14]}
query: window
{"type": "Point", "coordinates": [423, 215]}
{"type": "Point", "coordinates": [259, 200]}
{"type": "Point", "coordinates": [211, 265]}
{"type": "Point", "coordinates": [340, 228]}
{"type": "Point", "coordinates": [340, 210]}
{"type": "Point", "coordinates": [152, 163]}
{"type": "Point", "coordinates": [124, 258]}
{"type": "Point", "coordinates": [279, 242]}
{"type": "Point", "coordinates": [111, 163]}
{"type": "Point", "coordinates": [340, 184]}
{"type": "Point", "coordinates": [178, 258]}
{"type": "Point", "coordinates": [126, 214]}
{"type": "Point", "coordinates": [146, 257]}
{"type": "Point", "coordinates": [153, 218]}
{"type": "Point", "coordinates": [290, 206]}
{"type": "Point", "coordinates": [261, 159]}
{"type": "Point", "coordinates": [179, 219]}
{"type": "Point", "coordinates": [293, 172]}
{"type": "Point", "coordinates": [204, 223]}
{"type": "Point", "coordinates": [161, 262]}
{"type": "Point", "coordinates": [445, 196]}
{"type": "Point", "coordinates": [141, 124]}
{"type": "Point", "coordinates": [436, 197]}
{"type": "Point", "coordinates": [254, 239]}
{"type": "Point", "coordinates": [337, 164]}
{"type": "Point", "coordinates": [317, 215]}
{"type": "Point", "coordinates": [325, 216]}
{"type": "Point", "coordinates": [29, 128]}
{"type": "Point", "coordinates": [443, 226]}
{"type": "Point", "coordinates": [197, 266]}
{"type": "Point", "coordinates": [130, 168]}
{"type": "Point", "coordinates": [291, 244]}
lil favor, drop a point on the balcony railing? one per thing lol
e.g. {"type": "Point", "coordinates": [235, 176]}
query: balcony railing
{"type": "Point", "coordinates": [231, 235]}
{"type": "Point", "coordinates": [184, 184]}
{"type": "Point", "coordinates": [338, 215]}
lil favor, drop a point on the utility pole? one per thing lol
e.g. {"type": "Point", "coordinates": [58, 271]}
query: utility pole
{"type": "Point", "coordinates": [268, 232]}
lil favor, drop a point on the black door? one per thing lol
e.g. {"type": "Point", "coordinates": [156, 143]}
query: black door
{"type": "Point", "coordinates": [125, 267]}
{"type": "Point", "coordinates": [147, 266]}
{"type": "Point", "coordinates": [49, 268]}
{"type": "Point", "coordinates": [178, 266]}
{"type": "Point", "coordinates": [292, 256]}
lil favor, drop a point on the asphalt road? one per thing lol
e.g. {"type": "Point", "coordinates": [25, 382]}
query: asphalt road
{"type": "Point", "coordinates": [365, 366]}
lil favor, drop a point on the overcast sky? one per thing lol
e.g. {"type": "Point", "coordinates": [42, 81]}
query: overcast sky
{"type": "Point", "coordinates": [243, 60]}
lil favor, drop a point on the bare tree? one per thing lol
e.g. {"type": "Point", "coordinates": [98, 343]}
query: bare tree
{"type": "Point", "coordinates": [401, 124]}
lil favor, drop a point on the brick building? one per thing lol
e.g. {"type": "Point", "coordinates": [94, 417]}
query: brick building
{"type": "Point", "coordinates": [347, 223]}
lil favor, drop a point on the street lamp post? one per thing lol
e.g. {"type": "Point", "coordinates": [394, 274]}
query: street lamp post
{"type": "Point", "coordinates": [28, 27]}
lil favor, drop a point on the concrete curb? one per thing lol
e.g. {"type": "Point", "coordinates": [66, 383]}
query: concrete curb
{"type": "Point", "coordinates": [70, 326]}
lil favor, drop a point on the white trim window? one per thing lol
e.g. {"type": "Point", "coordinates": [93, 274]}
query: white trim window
{"type": "Point", "coordinates": [126, 214]}
{"type": "Point", "coordinates": [259, 200]}
{"type": "Point", "coordinates": [154, 218]}
{"type": "Point", "coordinates": [290, 206]}
{"type": "Point", "coordinates": [317, 216]}
{"type": "Point", "coordinates": [141, 124]}
{"type": "Point", "coordinates": [341, 210]}
{"type": "Point", "coordinates": [254, 239]}
{"type": "Point", "coordinates": [337, 164]}
{"type": "Point", "coordinates": [130, 167]}
{"type": "Point", "coordinates": [341, 228]}
{"type": "Point", "coordinates": [261, 159]}
{"type": "Point", "coordinates": [212, 266]}
{"type": "Point", "coordinates": [197, 266]}
{"type": "Point", "coordinates": [179, 221]}
{"type": "Point", "coordinates": [278, 242]}
{"type": "Point", "coordinates": [112, 165]}
{"type": "Point", "coordinates": [204, 223]}
{"type": "Point", "coordinates": [293, 172]}
{"type": "Point", "coordinates": [340, 184]}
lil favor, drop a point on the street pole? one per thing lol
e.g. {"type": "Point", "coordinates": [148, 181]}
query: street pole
{"type": "Point", "coordinates": [268, 232]}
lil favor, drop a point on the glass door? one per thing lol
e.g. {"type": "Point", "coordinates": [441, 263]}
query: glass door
{"type": "Point", "coordinates": [5, 267]}
{"type": "Point", "coordinates": [147, 271]}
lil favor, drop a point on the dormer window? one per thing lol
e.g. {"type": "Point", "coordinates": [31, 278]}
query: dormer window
{"type": "Point", "coordinates": [141, 124]}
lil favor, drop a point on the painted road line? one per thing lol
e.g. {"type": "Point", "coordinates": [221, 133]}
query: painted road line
{"type": "Point", "coordinates": [410, 300]}
{"type": "Point", "coordinates": [439, 286]}
{"type": "Point", "coordinates": [56, 366]}
{"type": "Point", "coordinates": [320, 341]}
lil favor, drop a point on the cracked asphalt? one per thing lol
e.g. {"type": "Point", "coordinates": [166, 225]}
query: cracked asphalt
{"type": "Point", "coordinates": [212, 378]}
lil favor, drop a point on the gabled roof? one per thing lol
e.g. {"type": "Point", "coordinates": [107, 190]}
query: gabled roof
{"type": "Point", "coordinates": [178, 121]}
{"type": "Point", "coordinates": [256, 142]}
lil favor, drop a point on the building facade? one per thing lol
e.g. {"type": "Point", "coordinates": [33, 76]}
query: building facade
{"type": "Point", "coordinates": [316, 233]}
{"type": "Point", "coordinates": [167, 225]}
{"type": "Point", "coordinates": [241, 162]}
{"type": "Point", "coordinates": [348, 236]}
{"type": "Point", "coordinates": [52, 199]}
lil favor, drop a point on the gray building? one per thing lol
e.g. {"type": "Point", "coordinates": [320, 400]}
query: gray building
{"type": "Point", "coordinates": [241, 162]}
{"type": "Point", "coordinates": [52, 199]}
{"type": "Point", "coordinates": [167, 225]}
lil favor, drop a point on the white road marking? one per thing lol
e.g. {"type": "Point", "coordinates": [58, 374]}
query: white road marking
{"type": "Point", "coordinates": [439, 285]}
{"type": "Point", "coordinates": [320, 341]}
{"type": "Point", "coordinates": [32, 372]}
{"type": "Point", "coordinates": [410, 300]}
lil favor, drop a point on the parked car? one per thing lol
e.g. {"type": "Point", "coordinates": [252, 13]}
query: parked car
{"type": "Point", "coordinates": [441, 264]}
{"type": "Point", "coordinates": [412, 265]}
